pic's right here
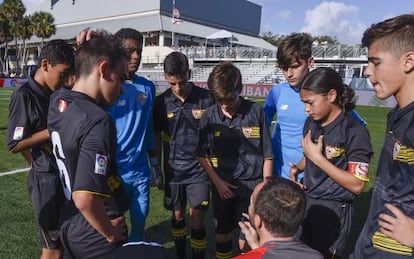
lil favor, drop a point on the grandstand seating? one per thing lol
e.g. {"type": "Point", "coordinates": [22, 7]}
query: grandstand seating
{"type": "Point", "coordinates": [256, 65]}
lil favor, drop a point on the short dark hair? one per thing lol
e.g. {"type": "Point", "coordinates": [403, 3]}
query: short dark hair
{"type": "Point", "coordinates": [322, 80]}
{"type": "Point", "coordinates": [281, 205]}
{"type": "Point", "coordinates": [293, 48]}
{"type": "Point", "coordinates": [224, 81]}
{"type": "Point", "coordinates": [176, 64]}
{"type": "Point", "coordinates": [100, 47]}
{"type": "Point", "coordinates": [129, 33]}
{"type": "Point", "coordinates": [395, 34]}
{"type": "Point", "coordinates": [57, 52]}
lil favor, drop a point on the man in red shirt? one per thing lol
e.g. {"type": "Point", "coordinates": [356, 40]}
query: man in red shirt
{"type": "Point", "coordinates": [277, 208]}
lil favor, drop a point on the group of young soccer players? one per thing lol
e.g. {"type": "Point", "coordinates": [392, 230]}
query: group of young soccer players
{"type": "Point", "coordinates": [90, 164]}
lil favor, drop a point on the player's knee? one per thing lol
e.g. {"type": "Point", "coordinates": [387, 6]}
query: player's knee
{"type": "Point", "coordinates": [179, 215]}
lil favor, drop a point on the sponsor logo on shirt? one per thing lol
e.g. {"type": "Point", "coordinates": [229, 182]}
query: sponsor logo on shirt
{"type": "Point", "coordinates": [121, 103]}
{"type": "Point", "coordinates": [101, 163]}
{"type": "Point", "coordinates": [334, 152]}
{"type": "Point", "coordinates": [142, 98]}
{"type": "Point", "coordinates": [284, 107]}
{"type": "Point", "coordinates": [18, 133]}
{"type": "Point", "coordinates": [62, 105]}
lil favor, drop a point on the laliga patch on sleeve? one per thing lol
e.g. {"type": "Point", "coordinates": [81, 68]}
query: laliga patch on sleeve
{"type": "Point", "coordinates": [18, 133]}
{"type": "Point", "coordinates": [359, 170]}
{"type": "Point", "coordinates": [101, 163]}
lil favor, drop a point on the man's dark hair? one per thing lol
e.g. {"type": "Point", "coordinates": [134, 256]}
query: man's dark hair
{"type": "Point", "coordinates": [293, 48]}
{"type": "Point", "coordinates": [224, 81]}
{"type": "Point", "coordinates": [176, 64]}
{"type": "Point", "coordinates": [281, 205]}
{"type": "Point", "coordinates": [395, 35]}
{"type": "Point", "coordinates": [102, 46]}
{"type": "Point", "coordinates": [57, 52]}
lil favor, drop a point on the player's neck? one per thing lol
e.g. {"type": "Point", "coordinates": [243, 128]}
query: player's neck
{"type": "Point", "coordinates": [268, 237]}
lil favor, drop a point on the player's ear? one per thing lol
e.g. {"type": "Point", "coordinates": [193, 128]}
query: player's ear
{"type": "Point", "coordinates": [311, 62]}
{"type": "Point", "coordinates": [44, 64]}
{"type": "Point", "coordinates": [408, 61]}
{"type": "Point", "coordinates": [104, 69]}
{"type": "Point", "coordinates": [257, 220]}
{"type": "Point", "coordinates": [332, 94]}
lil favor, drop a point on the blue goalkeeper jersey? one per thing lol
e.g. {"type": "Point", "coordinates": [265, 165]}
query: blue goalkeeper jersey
{"type": "Point", "coordinates": [284, 101]}
{"type": "Point", "coordinates": [132, 116]}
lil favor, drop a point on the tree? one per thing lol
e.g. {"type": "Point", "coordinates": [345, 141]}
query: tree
{"type": "Point", "coordinates": [43, 25]}
{"type": "Point", "coordinates": [5, 38]}
{"type": "Point", "coordinates": [13, 10]}
{"type": "Point", "coordinates": [326, 39]}
{"type": "Point", "coordinates": [24, 33]}
{"type": "Point", "coordinates": [273, 39]}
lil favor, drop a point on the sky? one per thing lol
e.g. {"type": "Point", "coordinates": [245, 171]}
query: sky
{"type": "Point", "coordinates": [346, 20]}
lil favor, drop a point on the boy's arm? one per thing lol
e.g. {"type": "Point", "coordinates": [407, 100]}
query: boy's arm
{"type": "Point", "coordinates": [267, 168]}
{"type": "Point", "coordinates": [34, 140]}
{"type": "Point", "coordinates": [27, 156]}
{"type": "Point", "coordinates": [224, 188]}
{"type": "Point", "coordinates": [92, 208]}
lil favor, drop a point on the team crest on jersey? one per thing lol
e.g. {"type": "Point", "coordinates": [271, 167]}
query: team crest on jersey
{"type": "Point", "coordinates": [18, 133]}
{"type": "Point", "coordinates": [334, 152]}
{"type": "Point", "coordinates": [197, 113]}
{"type": "Point", "coordinates": [251, 132]}
{"type": "Point", "coordinates": [403, 153]}
{"type": "Point", "coordinates": [101, 163]}
{"type": "Point", "coordinates": [142, 98]}
{"type": "Point", "coordinates": [396, 150]}
{"type": "Point", "coordinates": [62, 105]}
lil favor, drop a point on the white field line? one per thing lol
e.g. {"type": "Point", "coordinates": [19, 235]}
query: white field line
{"type": "Point", "coordinates": [15, 171]}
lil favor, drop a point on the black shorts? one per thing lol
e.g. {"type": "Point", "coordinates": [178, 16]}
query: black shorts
{"type": "Point", "coordinates": [197, 194]}
{"type": "Point", "coordinates": [326, 226]}
{"type": "Point", "coordinates": [47, 197]}
{"type": "Point", "coordinates": [227, 213]}
{"type": "Point", "coordinates": [81, 240]}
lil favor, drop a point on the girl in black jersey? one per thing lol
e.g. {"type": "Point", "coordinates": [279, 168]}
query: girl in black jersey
{"type": "Point", "coordinates": [337, 153]}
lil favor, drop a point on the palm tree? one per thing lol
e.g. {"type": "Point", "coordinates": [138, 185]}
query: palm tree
{"type": "Point", "coordinates": [5, 38]}
{"type": "Point", "coordinates": [43, 25]}
{"type": "Point", "coordinates": [24, 33]}
{"type": "Point", "coordinates": [13, 10]}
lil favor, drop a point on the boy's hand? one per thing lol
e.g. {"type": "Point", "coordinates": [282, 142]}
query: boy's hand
{"type": "Point", "coordinates": [225, 189]}
{"type": "Point", "coordinates": [83, 36]}
{"type": "Point", "coordinates": [400, 226]}
{"type": "Point", "coordinates": [156, 175]}
{"type": "Point", "coordinates": [120, 230]}
{"type": "Point", "coordinates": [293, 175]}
